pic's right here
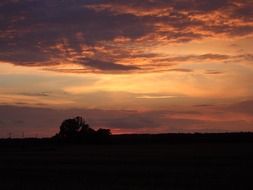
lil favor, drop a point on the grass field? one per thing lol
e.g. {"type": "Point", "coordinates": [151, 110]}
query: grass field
{"type": "Point", "coordinates": [158, 166]}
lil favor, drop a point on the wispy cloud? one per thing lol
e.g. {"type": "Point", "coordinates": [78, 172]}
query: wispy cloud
{"type": "Point", "coordinates": [155, 97]}
{"type": "Point", "coordinates": [106, 66]}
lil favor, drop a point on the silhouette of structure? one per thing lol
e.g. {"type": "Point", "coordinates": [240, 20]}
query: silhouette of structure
{"type": "Point", "coordinates": [77, 129]}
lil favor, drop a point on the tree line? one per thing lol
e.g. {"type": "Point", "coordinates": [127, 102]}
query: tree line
{"type": "Point", "coordinates": [78, 129]}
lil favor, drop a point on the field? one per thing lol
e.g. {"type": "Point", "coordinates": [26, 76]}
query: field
{"type": "Point", "coordinates": [173, 166]}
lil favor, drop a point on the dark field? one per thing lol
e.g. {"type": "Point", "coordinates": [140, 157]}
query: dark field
{"type": "Point", "coordinates": [173, 166]}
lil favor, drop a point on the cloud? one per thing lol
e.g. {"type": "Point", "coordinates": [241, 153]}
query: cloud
{"type": "Point", "coordinates": [181, 70]}
{"type": "Point", "coordinates": [203, 105]}
{"type": "Point", "coordinates": [106, 66]}
{"type": "Point", "coordinates": [203, 57]}
{"type": "Point", "coordinates": [33, 31]}
{"type": "Point", "coordinates": [155, 97]}
{"type": "Point", "coordinates": [214, 72]}
{"type": "Point", "coordinates": [102, 34]}
{"type": "Point", "coordinates": [205, 17]}
{"type": "Point", "coordinates": [39, 94]}
{"type": "Point", "coordinates": [242, 107]}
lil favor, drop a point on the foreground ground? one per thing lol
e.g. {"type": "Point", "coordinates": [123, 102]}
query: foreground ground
{"type": "Point", "coordinates": [153, 166]}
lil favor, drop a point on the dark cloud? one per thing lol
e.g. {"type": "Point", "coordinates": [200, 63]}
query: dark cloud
{"type": "Point", "coordinates": [31, 30]}
{"type": "Point", "coordinates": [221, 58]}
{"type": "Point", "coordinates": [106, 66]}
{"type": "Point", "coordinates": [242, 107]}
{"type": "Point", "coordinates": [49, 32]}
{"type": "Point", "coordinates": [248, 57]}
{"type": "Point", "coordinates": [241, 30]}
{"type": "Point", "coordinates": [204, 105]}
{"type": "Point", "coordinates": [183, 15]}
{"type": "Point", "coordinates": [203, 57]}
{"type": "Point", "coordinates": [42, 94]}
{"type": "Point", "coordinates": [213, 72]}
{"type": "Point", "coordinates": [1, 123]}
{"type": "Point", "coordinates": [243, 10]}
{"type": "Point", "coordinates": [181, 70]}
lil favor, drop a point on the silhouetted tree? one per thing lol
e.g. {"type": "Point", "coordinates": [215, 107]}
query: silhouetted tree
{"type": "Point", "coordinates": [78, 129]}
{"type": "Point", "coordinates": [104, 132]}
{"type": "Point", "coordinates": [71, 127]}
{"type": "Point", "coordinates": [87, 131]}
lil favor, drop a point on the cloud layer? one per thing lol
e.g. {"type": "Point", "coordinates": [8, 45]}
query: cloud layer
{"type": "Point", "coordinates": [109, 36]}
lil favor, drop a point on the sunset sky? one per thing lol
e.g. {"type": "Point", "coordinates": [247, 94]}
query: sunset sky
{"type": "Point", "coordinates": [134, 66]}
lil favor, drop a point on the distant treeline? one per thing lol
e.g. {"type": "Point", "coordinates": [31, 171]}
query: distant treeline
{"type": "Point", "coordinates": [169, 138]}
{"type": "Point", "coordinates": [183, 138]}
{"type": "Point", "coordinates": [77, 131]}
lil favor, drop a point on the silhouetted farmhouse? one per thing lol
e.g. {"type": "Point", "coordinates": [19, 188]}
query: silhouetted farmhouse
{"type": "Point", "coordinates": [76, 129]}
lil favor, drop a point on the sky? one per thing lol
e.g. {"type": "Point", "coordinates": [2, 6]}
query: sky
{"type": "Point", "coordinates": [133, 66]}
